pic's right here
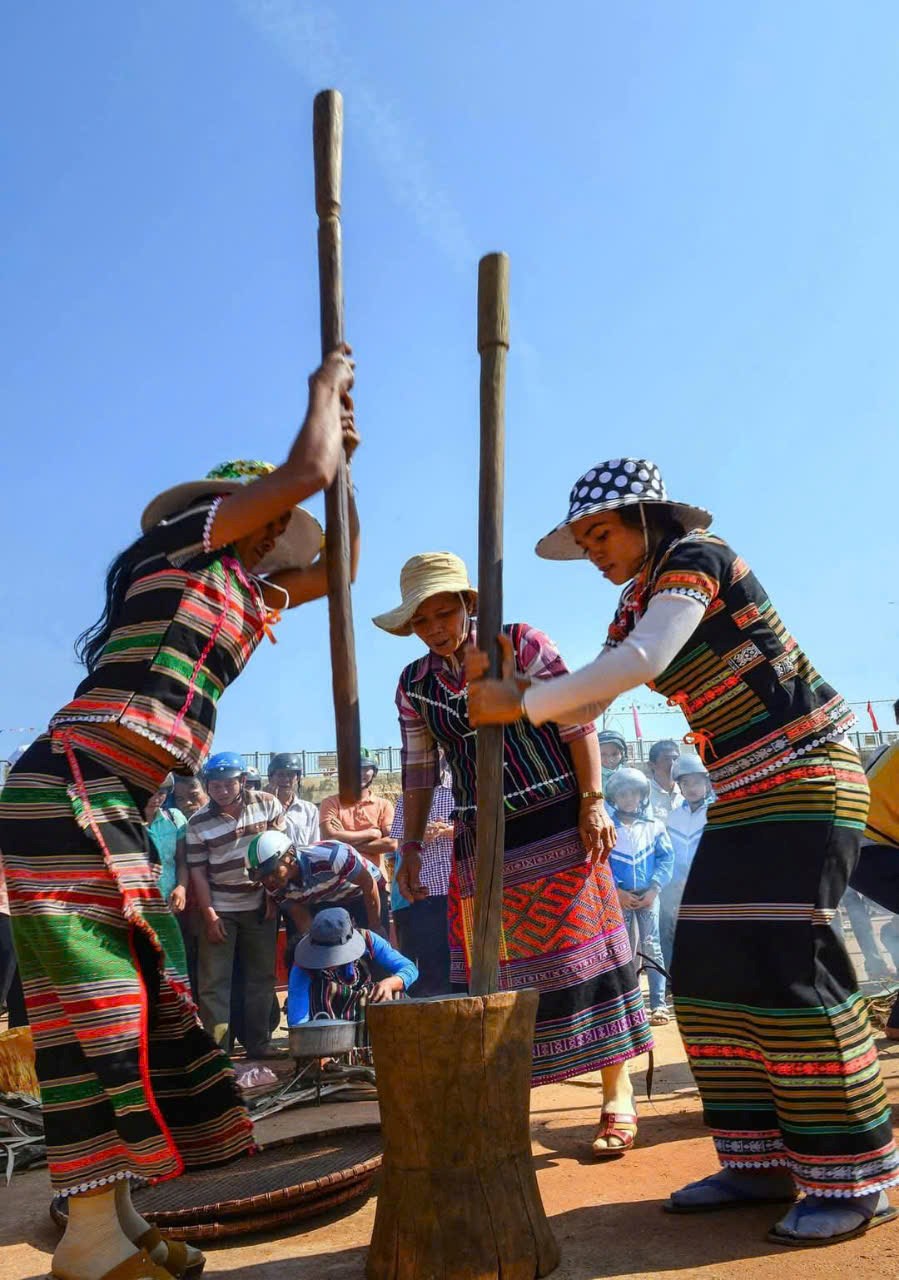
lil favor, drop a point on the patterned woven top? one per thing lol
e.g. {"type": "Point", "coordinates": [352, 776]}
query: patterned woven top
{"type": "Point", "coordinates": [189, 622]}
{"type": "Point", "coordinates": [432, 699]}
{"type": "Point", "coordinates": [753, 699]}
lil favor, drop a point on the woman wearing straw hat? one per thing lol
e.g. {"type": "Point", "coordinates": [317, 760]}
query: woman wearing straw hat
{"type": "Point", "coordinates": [131, 1084]}
{"type": "Point", "coordinates": [562, 929]}
{"type": "Point", "coordinates": [766, 999]}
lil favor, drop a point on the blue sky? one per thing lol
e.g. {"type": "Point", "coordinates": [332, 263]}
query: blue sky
{"type": "Point", "coordinates": [699, 205]}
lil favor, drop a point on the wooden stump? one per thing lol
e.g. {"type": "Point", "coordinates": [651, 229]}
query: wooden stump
{"type": "Point", "coordinates": [458, 1197]}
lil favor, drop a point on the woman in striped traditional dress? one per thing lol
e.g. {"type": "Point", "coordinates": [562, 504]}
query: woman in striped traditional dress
{"type": "Point", "coordinates": [131, 1085]}
{"type": "Point", "coordinates": [562, 929]}
{"type": "Point", "coordinates": [767, 1002]}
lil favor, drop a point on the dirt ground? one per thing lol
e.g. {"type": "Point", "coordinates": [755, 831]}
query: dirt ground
{"type": "Point", "coordinates": [607, 1217]}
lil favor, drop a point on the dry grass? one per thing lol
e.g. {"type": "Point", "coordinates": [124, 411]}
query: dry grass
{"type": "Point", "coordinates": [317, 788]}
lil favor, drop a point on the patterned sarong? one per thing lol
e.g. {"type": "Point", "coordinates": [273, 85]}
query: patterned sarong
{"type": "Point", "coordinates": [563, 934]}
{"type": "Point", "coordinates": [766, 999]}
{"type": "Point", "coordinates": [130, 1082]}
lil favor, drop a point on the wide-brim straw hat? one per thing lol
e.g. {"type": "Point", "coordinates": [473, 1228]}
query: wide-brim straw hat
{"type": "Point", "coordinates": [620, 482]}
{"type": "Point", "coordinates": [297, 546]}
{"type": "Point", "coordinates": [421, 577]}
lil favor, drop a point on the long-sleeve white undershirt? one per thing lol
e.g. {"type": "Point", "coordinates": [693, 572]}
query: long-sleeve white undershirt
{"type": "Point", "coordinates": [664, 629]}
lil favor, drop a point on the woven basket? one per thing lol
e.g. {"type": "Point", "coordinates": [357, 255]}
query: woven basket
{"type": "Point", "coordinates": [270, 1222]}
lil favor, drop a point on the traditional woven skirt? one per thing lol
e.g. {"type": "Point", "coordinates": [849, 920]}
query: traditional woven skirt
{"type": "Point", "coordinates": [130, 1082]}
{"type": "Point", "coordinates": [563, 934]}
{"type": "Point", "coordinates": [766, 998]}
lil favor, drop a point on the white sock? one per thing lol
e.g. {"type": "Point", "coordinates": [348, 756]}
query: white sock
{"type": "Point", "coordinates": [129, 1219]}
{"type": "Point", "coordinates": [134, 1226]}
{"type": "Point", "coordinates": [94, 1242]}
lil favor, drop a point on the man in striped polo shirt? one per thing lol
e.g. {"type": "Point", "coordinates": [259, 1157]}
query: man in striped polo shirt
{"type": "Point", "coordinates": [235, 913]}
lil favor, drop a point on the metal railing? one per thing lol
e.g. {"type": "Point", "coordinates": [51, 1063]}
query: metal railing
{"type": "Point", "coordinates": [324, 763]}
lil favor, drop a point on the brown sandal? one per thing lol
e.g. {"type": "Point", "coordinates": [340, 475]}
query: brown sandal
{"type": "Point", "coordinates": [140, 1266]}
{"type": "Point", "coordinates": [613, 1124]}
{"type": "Point", "coordinates": [176, 1263]}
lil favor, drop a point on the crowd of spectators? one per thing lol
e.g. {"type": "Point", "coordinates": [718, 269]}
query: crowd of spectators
{"type": "Point", "coordinates": [242, 861]}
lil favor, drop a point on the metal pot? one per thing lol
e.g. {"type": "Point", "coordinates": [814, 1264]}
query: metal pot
{"type": "Point", "coordinates": [323, 1037]}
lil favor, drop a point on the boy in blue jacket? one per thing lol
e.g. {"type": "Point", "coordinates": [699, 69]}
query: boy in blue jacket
{"type": "Point", "coordinates": [641, 863]}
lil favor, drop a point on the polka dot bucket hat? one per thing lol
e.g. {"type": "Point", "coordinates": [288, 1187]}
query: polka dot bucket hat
{"type": "Point", "coordinates": [620, 482]}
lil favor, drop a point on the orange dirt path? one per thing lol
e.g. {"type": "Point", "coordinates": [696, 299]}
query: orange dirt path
{"type": "Point", "coordinates": [607, 1217]}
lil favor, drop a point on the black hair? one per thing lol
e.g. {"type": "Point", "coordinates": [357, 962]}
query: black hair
{"type": "Point", "coordinates": [661, 523]}
{"type": "Point", "coordinates": [664, 744]}
{"type": "Point", "coordinates": [119, 576]}
{"type": "Point", "coordinates": [92, 641]}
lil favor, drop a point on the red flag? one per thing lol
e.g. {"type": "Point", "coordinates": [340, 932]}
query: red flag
{"type": "Point", "coordinates": [873, 718]}
{"type": "Point", "coordinates": [637, 730]}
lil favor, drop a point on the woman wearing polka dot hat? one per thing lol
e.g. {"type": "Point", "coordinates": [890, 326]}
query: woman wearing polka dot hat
{"type": "Point", "coordinates": [775, 1028]}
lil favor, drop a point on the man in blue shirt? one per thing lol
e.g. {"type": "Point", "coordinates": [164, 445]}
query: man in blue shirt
{"type": "Point", "coordinates": [333, 967]}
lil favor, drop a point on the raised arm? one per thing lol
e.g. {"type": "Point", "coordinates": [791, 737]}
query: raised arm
{"type": "Point", "coordinates": [291, 587]}
{"type": "Point", "coordinates": [311, 463]}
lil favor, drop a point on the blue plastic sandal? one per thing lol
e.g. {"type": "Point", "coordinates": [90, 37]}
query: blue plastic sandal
{"type": "Point", "coordinates": [872, 1215]}
{"type": "Point", "coordinates": [732, 1197]}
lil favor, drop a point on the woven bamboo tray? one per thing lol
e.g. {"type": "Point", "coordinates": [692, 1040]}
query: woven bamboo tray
{"type": "Point", "coordinates": [290, 1178]}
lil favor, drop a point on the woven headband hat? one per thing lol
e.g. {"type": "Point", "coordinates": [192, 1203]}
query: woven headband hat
{"type": "Point", "coordinates": [424, 576]}
{"type": "Point", "coordinates": [297, 546]}
{"type": "Point", "coordinates": [620, 482]}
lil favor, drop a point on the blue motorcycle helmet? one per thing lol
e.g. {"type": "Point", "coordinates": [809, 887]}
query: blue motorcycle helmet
{"type": "Point", "coordinates": [224, 764]}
